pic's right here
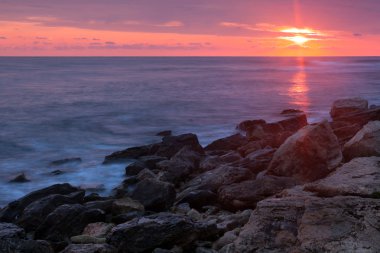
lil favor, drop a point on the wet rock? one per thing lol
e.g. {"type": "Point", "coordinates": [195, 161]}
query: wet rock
{"type": "Point", "coordinates": [360, 177]}
{"type": "Point", "coordinates": [250, 147]}
{"type": "Point", "coordinates": [11, 231]}
{"type": "Point", "coordinates": [155, 231]}
{"type": "Point", "coordinates": [172, 144]}
{"type": "Point", "coordinates": [209, 163]}
{"type": "Point", "coordinates": [232, 142]}
{"type": "Point", "coordinates": [129, 153]}
{"type": "Point", "coordinates": [246, 194]}
{"type": "Point", "coordinates": [13, 210]}
{"type": "Point", "coordinates": [93, 187]}
{"type": "Point", "coordinates": [65, 161]}
{"type": "Point", "coordinates": [134, 168]}
{"type": "Point", "coordinates": [146, 174]}
{"type": "Point", "coordinates": [124, 205]}
{"type": "Point", "coordinates": [94, 197]}
{"type": "Point", "coordinates": [151, 161]}
{"type": "Point", "coordinates": [248, 125]}
{"type": "Point", "coordinates": [66, 221]}
{"type": "Point", "coordinates": [89, 248]}
{"type": "Point", "coordinates": [164, 133]}
{"type": "Point", "coordinates": [180, 166]}
{"type": "Point", "coordinates": [84, 239]}
{"type": "Point", "coordinates": [35, 213]}
{"type": "Point", "coordinates": [342, 107]}
{"type": "Point", "coordinates": [98, 229]}
{"type": "Point", "coordinates": [291, 111]}
{"type": "Point", "coordinates": [104, 205]}
{"type": "Point", "coordinates": [230, 157]}
{"type": "Point", "coordinates": [154, 195]}
{"type": "Point", "coordinates": [125, 217]}
{"type": "Point", "coordinates": [365, 143]}
{"type": "Point", "coordinates": [197, 199]}
{"type": "Point", "coordinates": [308, 155]}
{"type": "Point", "coordinates": [19, 178]}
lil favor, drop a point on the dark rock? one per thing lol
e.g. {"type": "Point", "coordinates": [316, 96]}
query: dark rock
{"type": "Point", "coordinates": [11, 231]}
{"type": "Point", "coordinates": [257, 161]}
{"type": "Point", "coordinates": [124, 205]}
{"type": "Point", "coordinates": [20, 178]}
{"type": "Point", "coordinates": [154, 195]}
{"type": "Point", "coordinates": [232, 142]}
{"type": "Point", "coordinates": [291, 111]}
{"type": "Point", "coordinates": [162, 230]}
{"type": "Point", "coordinates": [250, 147]}
{"type": "Point", "coordinates": [125, 217]}
{"type": "Point", "coordinates": [164, 133]}
{"type": "Point", "coordinates": [342, 107]}
{"type": "Point", "coordinates": [295, 123]}
{"type": "Point", "coordinates": [172, 144]}
{"type": "Point", "coordinates": [66, 221]}
{"type": "Point", "coordinates": [35, 213]}
{"type": "Point", "coordinates": [129, 153]}
{"type": "Point", "coordinates": [209, 163]}
{"type": "Point", "coordinates": [134, 168]}
{"type": "Point", "coordinates": [308, 155]}
{"type": "Point", "coordinates": [65, 161]}
{"type": "Point", "coordinates": [180, 166]}
{"type": "Point", "coordinates": [94, 197]}
{"type": "Point", "coordinates": [365, 143]}
{"type": "Point", "coordinates": [246, 194]}
{"type": "Point", "coordinates": [151, 161]}
{"type": "Point", "coordinates": [247, 125]}
{"type": "Point", "coordinates": [345, 131]}
{"type": "Point", "coordinates": [104, 205]}
{"type": "Point", "coordinates": [361, 118]}
{"type": "Point", "coordinates": [13, 210]}
{"type": "Point", "coordinates": [89, 248]}
{"type": "Point", "coordinates": [197, 199]}
{"type": "Point", "coordinates": [230, 157]}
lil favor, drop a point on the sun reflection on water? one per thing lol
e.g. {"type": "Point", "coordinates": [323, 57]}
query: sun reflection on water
{"type": "Point", "coordinates": [299, 89]}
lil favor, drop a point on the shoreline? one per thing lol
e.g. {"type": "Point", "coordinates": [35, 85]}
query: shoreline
{"type": "Point", "coordinates": [178, 196]}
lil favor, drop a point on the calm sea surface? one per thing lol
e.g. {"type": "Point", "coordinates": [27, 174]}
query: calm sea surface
{"type": "Point", "coordinates": [55, 108]}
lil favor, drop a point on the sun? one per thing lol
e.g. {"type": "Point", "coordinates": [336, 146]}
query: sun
{"type": "Point", "coordinates": [300, 36]}
{"type": "Point", "coordinates": [299, 40]}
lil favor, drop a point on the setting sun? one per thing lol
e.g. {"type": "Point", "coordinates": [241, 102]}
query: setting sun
{"type": "Point", "coordinates": [298, 39]}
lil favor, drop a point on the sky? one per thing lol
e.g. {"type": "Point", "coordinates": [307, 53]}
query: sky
{"type": "Point", "coordinates": [189, 28]}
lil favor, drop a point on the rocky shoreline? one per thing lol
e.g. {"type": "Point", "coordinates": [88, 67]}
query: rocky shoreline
{"type": "Point", "coordinates": [287, 186]}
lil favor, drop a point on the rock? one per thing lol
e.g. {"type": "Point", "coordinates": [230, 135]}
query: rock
{"type": "Point", "coordinates": [151, 161]}
{"type": "Point", "coordinates": [19, 178]}
{"type": "Point", "coordinates": [365, 143]}
{"type": "Point", "coordinates": [146, 174]}
{"type": "Point", "coordinates": [227, 238]}
{"type": "Point", "coordinates": [360, 177]}
{"type": "Point", "coordinates": [35, 213]}
{"type": "Point", "coordinates": [13, 240]}
{"type": "Point", "coordinates": [250, 147]}
{"type": "Point", "coordinates": [345, 131]}
{"type": "Point", "coordinates": [228, 222]}
{"type": "Point", "coordinates": [129, 153]}
{"type": "Point", "coordinates": [291, 111]}
{"type": "Point", "coordinates": [209, 163]}
{"type": "Point", "coordinates": [228, 143]}
{"type": "Point", "coordinates": [14, 209]}
{"type": "Point", "coordinates": [342, 107]}
{"type": "Point", "coordinates": [246, 194]}
{"type": "Point", "coordinates": [257, 161]}
{"type": "Point", "coordinates": [172, 144]}
{"type": "Point", "coordinates": [104, 205]}
{"type": "Point", "coordinates": [248, 125]}
{"type": "Point", "coordinates": [85, 239]}
{"type": "Point", "coordinates": [66, 221]}
{"type": "Point", "coordinates": [154, 195]}
{"type": "Point", "coordinates": [197, 198]}
{"type": "Point", "coordinates": [65, 161]}
{"type": "Point", "coordinates": [134, 168]}
{"type": "Point", "coordinates": [125, 217]}
{"type": "Point", "coordinates": [98, 229]}
{"type": "Point", "coordinates": [164, 133]}
{"type": "Point", "coordinates": [308, 155]}
{"type": "Point", "coordinates": [230, 157]}
{"type": "Point", "coordinates": [180, 166]}
{"type": "Point", "coordinates": [93, 187]}
{"type": "Point", "coordinates": [214, 179]}
{"type": "Point", "coordinates": [94, 197]}
{"type": "Point", "coordinates": [125, 205]}
{"type": "Point", "coordinates": [89, 248]}
{"type": "Point", "coordinates": [296, 224]}
{"type": "Point", "coordinates": [161, 230]}
{"type": "Point", "coordinates": [194, 215]}
{"type": "Point", "coordinates": [360, 118]}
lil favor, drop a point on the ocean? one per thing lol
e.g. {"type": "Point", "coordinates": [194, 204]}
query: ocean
{"type": "Point", "coordinates": [60, 107]}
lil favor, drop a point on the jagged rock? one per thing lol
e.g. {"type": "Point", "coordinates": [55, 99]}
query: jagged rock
{"type": "Point", "coordinates": [98, 229]}
{"type": "Point", "coordinates": [230, 157]}
{"type": "Point", "coordinates": [104, 205]}
{"type": "Point", "coordinates": [232, 142]}
{"type": "Point", "coordinates": [65, 161]}
{"type": "Point", "coordinates": [154, 231]}
{"type": "Point", "coordinates": [125, 217]}
{"type": "Point", "coordinates": [180, 166]}
{"type": "Point", "coordinates": [248, 125]}
{"type": "Point", "coordinates": [227, 238]}
{"type": "Point", "coordinates": [10, 231]}
{"type": "Point", "coordinates": [209, 163]}
{"type": "Point", "coordinates": [360, 177]}
{"type": "Point", "coordinates": [365, 143]}
{"type": "Point", "coordinates": [129, 153]}
{"type": "Point", "coordinates": [151, 161]}
{"type": "Point", "coordinates": [250, 147]}
{"type": "Point", "coordinates": [85, 239]}
{"type": "Point", "coordinates": [310, 224]}
{"type": "Point", "coordinates": [94, 197]}
{"type": "Point", "coordinates": [344, 130]}
{"type": "Point", "coordinates": [13, 210]}
{"type": "Point", "coordinates": [229, 221]}
{"type": "Point", "coordinates": [35, 213]}
{"type": "Point", "coordinates": [308, 155]}
{"type": "Point", "coordinates": [343, 107]}
{"type": "Point", "coordinates": [257, 161]}
{"type": "Point", "coordinates": [66, 221]}
{"type": "Point", "coordinates": [134, 168]}
{"type": "Point", "coordinates": [89, 248]}
{"type": "Point", "coordinates": [146, 174]}
{"type": "Point", "coordinates": [164, 133]}
{"type": "Point", "coordinates": [124, 205]}
{"type": "Point", "coordinates": [197, 198]}
{"type": "Point", "coordinates": [360, 118]}
{"type": "Point", "coordinates": [172, 144]}
{"type": "Point", "coordinates": [154, 195]}
{"type": "Point", "coordinates": [19, 178]}
{"type": "Point", "coordinates": [246, 194]}
{"type": "Point", "coordinates": [291, 111]}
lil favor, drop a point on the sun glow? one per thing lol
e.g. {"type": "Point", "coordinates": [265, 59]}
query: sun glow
{"type": "Point", "coordinates": [300, 36]}
{"type": "Point", "coordinates": [298, 39]}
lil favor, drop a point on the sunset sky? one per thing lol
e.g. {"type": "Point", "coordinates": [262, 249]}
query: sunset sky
{"type": "Point", "coordinates": [189, 27]}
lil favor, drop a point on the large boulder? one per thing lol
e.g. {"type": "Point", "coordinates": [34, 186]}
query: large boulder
{"type": "Point", "coordinates": [13, 210]}
{"type": "Point", "coordinates": [155, 195]}
{"type": "Point", "coordinates": [66, 221]}
{"type": "Point", "coordinates": [35, 213]}
{"type": "Point", "coordinates": [170, 145]}
{"type": "Point", "coordinates": [342, 107]}
{"type": "Point", "coordinates": [308, 155]}
{"type": "Point", "coordinates": [246, 194]}
{"type": "Point", "coordinates": [129, 153]}
{"type": "Point", "coordinates": [232, 142]}
{"type": "Point", "coordinates": [310, 224]}
{"type": "Point", "coordinates": [161, 230]}
{"type": "Point", "coordinates": [360, 177]}
{"type": "Point", "coordinates": [13, 240]}
{"type": "Point", "coordinates": [365, 143]}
